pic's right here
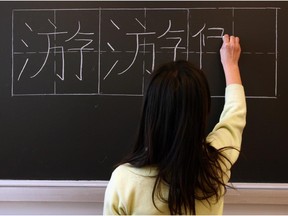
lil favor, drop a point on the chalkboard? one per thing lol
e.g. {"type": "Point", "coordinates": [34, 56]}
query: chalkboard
{"type": "Point", "coordinates": [73, 76]}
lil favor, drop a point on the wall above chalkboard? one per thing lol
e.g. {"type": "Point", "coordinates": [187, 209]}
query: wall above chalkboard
{"type": "Point", "coordinates": [74, 73]}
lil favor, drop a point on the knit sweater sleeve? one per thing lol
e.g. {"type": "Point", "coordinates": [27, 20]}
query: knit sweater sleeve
{"type": "Point", "coordinates": [228, 131]}
{"type": "Point", "coordinates": [113, 200]}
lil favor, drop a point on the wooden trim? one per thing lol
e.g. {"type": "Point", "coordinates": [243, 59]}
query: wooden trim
{"type": "Point", "coordinates": [93, 191]}
{"type": "Point", "coordinates": [52, 191]}
{"type": "Point", "coordinates": [255, 193]}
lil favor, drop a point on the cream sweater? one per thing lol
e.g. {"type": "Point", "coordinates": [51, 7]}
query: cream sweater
{"type": "Point", "coordinates": [130, 189]}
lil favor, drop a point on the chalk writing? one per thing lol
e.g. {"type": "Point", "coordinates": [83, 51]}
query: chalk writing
{"type": "Point", "coordinates": [203, 38]}
{"type": "Point", "coordinates": [50, 48]}
{"type": "Point", "coordinates": [116, 51]}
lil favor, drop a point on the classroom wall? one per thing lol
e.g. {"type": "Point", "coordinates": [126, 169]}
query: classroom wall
{"type": "Point", "coordinates": [86, 198]}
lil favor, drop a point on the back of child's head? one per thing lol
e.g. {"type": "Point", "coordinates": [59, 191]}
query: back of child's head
{"type": "Point", "coordinates": [176, 106]}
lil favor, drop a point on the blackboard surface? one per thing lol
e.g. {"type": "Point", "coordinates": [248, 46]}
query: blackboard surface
{"type": "Point", "coordinates": [73, 75]}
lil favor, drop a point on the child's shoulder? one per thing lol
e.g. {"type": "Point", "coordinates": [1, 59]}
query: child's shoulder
{"type": "Point", "coordinates": [121, 169]}
{"type": "Point", "coordinates": [127, 170]}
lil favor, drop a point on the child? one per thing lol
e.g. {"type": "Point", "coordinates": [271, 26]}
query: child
{"type": "Point", "coordinates": [174, 167]}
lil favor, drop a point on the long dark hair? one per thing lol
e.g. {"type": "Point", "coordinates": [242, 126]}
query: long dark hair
{"type": "Point", "coordinates": [172, 136]}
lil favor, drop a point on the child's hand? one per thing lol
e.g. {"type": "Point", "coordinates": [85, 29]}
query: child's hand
{"type": "Point", "coordinates": [230, 55]}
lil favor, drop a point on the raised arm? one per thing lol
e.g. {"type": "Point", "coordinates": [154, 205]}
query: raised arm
{"type": "Point", "coordinates": [228, 131]}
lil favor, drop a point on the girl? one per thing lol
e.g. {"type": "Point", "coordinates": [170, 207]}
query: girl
{"type": "Point", "coordinates": [174, 168]}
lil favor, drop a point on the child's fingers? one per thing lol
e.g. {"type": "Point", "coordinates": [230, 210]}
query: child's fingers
{"type": "Point", "coordinates": [232, 39]}
{"type": "Point", "coordinates": [226, 38]}
{"type": "Point", "coordinates": [237, 40]}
